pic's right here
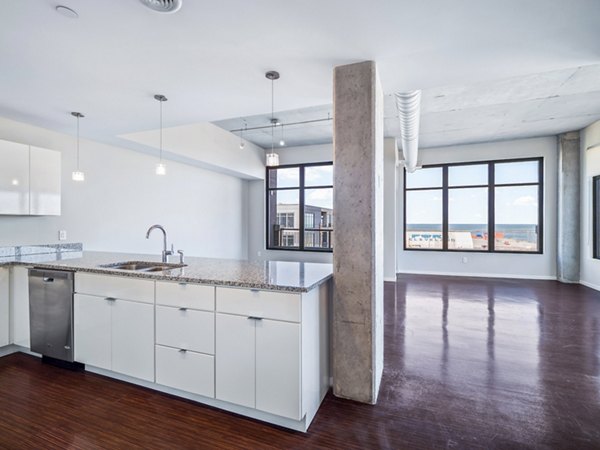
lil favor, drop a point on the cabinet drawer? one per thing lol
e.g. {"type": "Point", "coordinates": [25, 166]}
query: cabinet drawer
{"type": "Point", "coordinates": [188, 371]}
{"type": "Point", "coordinates": [265, 304]}
{"type": "Point", "coordinates": [185, 329]}
{"type": "Point", "coordinates": [118, 287]}
{"type": "Point", "coordinates": [185, 295]}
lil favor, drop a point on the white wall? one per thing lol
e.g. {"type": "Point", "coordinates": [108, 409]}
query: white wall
{"type": "Point", "coordinates": [256, 207]}
{"type": "Point", "coordinates": [204, 212]}
{"type": "Point", "coordinates": [590, 167]}
{"type": "Point", "coordinates": [481, 264]}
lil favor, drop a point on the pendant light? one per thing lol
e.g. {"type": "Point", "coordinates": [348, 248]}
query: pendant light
{"type": "Point", "coordinates": [78, 175]}
{"type": "Point", "coordinates": [161, 169]}
{"type": "Point", "coordinates": [281, 141]}
{"type": "Point", "coordinates": [242, 143]}
{"type": "Point", "coordinates": [272, 158]}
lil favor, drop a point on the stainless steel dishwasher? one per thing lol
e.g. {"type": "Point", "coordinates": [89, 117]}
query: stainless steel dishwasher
{"type": "Point", "coordinates": [51, 313]}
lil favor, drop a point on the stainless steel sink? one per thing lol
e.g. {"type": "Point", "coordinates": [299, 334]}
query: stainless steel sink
{"type": "Point", "coordinates": [143, 266]}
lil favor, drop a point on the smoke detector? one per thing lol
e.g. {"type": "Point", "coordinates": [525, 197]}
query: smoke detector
{"type": "Point", "coordinates": [163, 6]}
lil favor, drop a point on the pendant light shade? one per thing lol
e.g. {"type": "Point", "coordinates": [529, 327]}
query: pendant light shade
{"type": "Point", "coordinates": [78, 175]}
{"type": "Point", "coordinates": [272, 159]}
{"type": "Point", "coordinates": [161, 169]}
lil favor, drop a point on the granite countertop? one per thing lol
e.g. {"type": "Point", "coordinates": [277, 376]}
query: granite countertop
{"type": "Point", "coordinates": [272, 275]}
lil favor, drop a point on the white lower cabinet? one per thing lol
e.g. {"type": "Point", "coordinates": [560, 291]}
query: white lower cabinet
{"type": "Point", "coordinates": [185, 370]}
{"type": "Point", "coordinates": [19, 307]}
{"type": "Point", "coordinates": [92, 330]}
{"type": "Point", "coordinates": [132, 339]}
{"type": "Point", "coordinates": [115, 334]}
{"type": "Point", "coordinates": [262, 350]}
{"type": "Point", "coordinates": [278, 387]}
{"type": "Point", "coordinates": [4, 308]}
{"type": "Point", "coordinates": [235, 350]}
{"type": "Point", "coordinates": [258, 364]}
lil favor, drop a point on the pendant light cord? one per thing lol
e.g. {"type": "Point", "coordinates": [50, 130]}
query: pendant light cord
{"type": "Point", "coordinates": [272, 115]}
{"type": "Point", "coordinates": [77, 143]}
{"type": "Point", "coordinates": [161, 131]}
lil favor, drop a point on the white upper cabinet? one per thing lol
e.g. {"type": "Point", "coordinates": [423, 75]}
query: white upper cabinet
{"type": "Point", "coordinates": [30, 180]}
{"type": "Point", "coordinates": [44, 182]}
{"type": "Point", "coordinates": [14, 178]}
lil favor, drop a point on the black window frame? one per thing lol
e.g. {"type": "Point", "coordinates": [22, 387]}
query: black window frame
{"type": "Point", "coordinates": [301, 189]}
{"type": "Point", "coordinates": [491, 186]}
{"type": "Point", "coordinates": [596, 216]}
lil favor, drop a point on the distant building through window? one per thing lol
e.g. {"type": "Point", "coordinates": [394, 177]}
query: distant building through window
{"type": "Point", "coordinates": [490, 206]}
{"type": "Point", "coordinates": [300, 207]}
{"type": "Point", "coordinates": [285, 220]}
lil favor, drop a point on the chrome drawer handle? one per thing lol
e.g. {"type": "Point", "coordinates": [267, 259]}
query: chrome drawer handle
{"type": "Point", "coordinates": [183, 309]}
{"type": "Point", "coordinates": [255, 290]}
{"type": "Point", "coordinates": [182, 350]}
{"type": "Point", "coordinates": [48, 280]}
{"type": "Point", "coordinates": [111, 299]}
{"type": "Point", "coordinates": [182, 284]}
{"type": "Point", "coordinates": [254, 318]}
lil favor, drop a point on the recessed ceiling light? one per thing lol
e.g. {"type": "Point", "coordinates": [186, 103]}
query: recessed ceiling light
{"type": "Point", "coordinates": [67, 12]}
{"type": "Point", "coordinates": [163, 6]}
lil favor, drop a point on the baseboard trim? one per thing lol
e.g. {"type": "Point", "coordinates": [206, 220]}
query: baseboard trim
{"type": "Point", "coordinates": [590, 285]}
{"type": "Point", "coordinates": [297, 425]}
{"type": "Point", "coordinates": [479, 275]}
{"type": "Point", "coordinates": [13, 348]}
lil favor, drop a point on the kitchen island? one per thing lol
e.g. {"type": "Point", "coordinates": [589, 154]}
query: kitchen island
{"type": "Point", "coordinates": [247, 337]}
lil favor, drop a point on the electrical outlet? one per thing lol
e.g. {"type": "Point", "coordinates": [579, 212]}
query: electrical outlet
{"type": "Point", "coordinates": [62, 235]}
{"type": "Point", "coordinates": [465, 260]}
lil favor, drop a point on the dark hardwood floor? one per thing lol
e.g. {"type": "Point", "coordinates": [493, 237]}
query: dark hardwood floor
{"type": "Point", "coordinates": [469, 363]}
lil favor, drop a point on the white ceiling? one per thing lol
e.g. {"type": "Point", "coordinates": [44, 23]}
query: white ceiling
{"type": "Point", "coordinates": [209, 58]}
{"type": "Point", "coordinates": [523, 106]}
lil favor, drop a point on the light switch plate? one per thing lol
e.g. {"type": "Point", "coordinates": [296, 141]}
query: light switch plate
{"type": "Point", "coordinates": [62, 235]}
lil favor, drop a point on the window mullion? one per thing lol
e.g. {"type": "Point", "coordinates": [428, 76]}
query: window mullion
{"type": "Point", "coordinates": [491, 207]}
{"type": "Point", "coordinates": [540, 230]}
{"type": "Point", "coordinates": [301, 211]}
{"type": "Point", "coordinates": [445, 196]}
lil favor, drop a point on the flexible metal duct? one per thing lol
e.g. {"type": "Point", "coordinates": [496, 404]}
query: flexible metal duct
{"type": "Point", "coordinates": [409, 111]}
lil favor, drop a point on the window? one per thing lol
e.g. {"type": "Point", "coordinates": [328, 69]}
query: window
{"type": "Point", "coordinates": [300, 207]}
{"type": "Point", "coordinates": [492, 206]}
{"type": "Point", "coordinates": [596, 213]}
{"type": "Point", "coordinates": [285, 219]}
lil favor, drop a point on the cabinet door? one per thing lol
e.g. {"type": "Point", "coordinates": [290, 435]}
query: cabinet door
{"type": "Point", "coordinates": [14, 178]}
{"type": "Point", "coordinates": [92, 316]}
{"type": "Point", "coordinates": [44, 192]}
{"type": "Point", "coordinates": [234, 354]}
{"type": "Point", "coordinates": [133, 339]}
{"type": "Point", "coordinates": [278, 368]}
{"type": "Point", "coordinates": [19, 306]}
{"type": "Point", "coordinates": [4, 336]}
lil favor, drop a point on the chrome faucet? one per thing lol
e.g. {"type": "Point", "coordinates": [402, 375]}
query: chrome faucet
{"type": "Point", "coordinates": [165, 252]}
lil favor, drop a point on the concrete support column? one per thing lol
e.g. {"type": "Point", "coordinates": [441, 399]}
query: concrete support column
{"type": "Point", "coordinates": [358, 237]}
{"type": "Point", "coordinates": [390, 148]}
{"type": "Point", "coordinates": [567, 264]}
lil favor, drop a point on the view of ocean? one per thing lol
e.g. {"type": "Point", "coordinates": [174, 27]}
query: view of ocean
{"type": "Point", "coordinates": [524, 232]}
